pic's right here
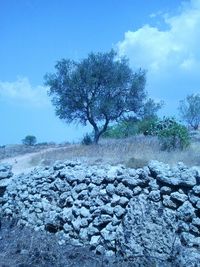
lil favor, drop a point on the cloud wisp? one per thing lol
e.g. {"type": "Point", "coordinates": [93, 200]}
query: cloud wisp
{"type": "Point", "coordinates": [21, 91]}
{"type": "Point", "coordinates": [171, 56]}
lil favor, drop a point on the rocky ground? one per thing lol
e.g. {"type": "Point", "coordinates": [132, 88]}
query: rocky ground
{"type": "Point", "coordinates": [144, 217]}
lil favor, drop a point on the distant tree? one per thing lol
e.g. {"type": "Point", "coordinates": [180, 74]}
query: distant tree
{"type": "Point", "coordinates": [29, 140]}
{"type": "Point", "coordinates": [99, 89]}
{"type": "Point", "coordinates": [189, 109]}
{"type": "Point", "coordinates": [150, 108]}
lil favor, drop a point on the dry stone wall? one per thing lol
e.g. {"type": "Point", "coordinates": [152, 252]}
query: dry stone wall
{"type": "Point", "coordinates": [5, 175]}
{"type": "Point", "coordinates": [149, 212]}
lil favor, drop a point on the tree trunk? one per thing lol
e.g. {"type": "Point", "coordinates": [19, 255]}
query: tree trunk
{"type": "Point", "coordinates": [96, 137]}
{"type": "Point", "coordinates": [97, 132]}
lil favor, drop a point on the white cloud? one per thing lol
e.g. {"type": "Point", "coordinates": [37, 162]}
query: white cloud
{"type": "Point", "coordinates": [171, 56]}
{"type": "Point", "coordinates": [24, 93]}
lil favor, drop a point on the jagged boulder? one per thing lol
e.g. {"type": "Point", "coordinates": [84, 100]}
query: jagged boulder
{"type": "Point", "coordinates": [147, 229]}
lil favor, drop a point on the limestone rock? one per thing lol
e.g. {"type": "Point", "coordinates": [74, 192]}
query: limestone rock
{"type": "Point", "coordinates": [5, 171]}
{"type": "Point", "coordinates": [186, 212]}
{"type": "Point", "coordinates": [110, 188]}
{"type": "Point", "coordinates": [137, 190]}
{"type": "Point", "coordinates": [164, 175]}
{"type": "Point", "coordinates": [145, 224]}
{"type": "Point", "coordinates": [196, 190]}
{"type": "Point", "coordinates": [179, 197]}
{"type": "Point", "coordinates": [119, 211]}
{"type": "Point", "coordinates": [107, 209]}
{"type": "Point", "coordinates": [102, 220]}
{"type": "Point", "coordinates": [155, 195]}
{"type": "Point", "coordinates": [167, 201]}
{"type": "Point", "coordinates": [166, 190]}
{"type": "Point", "coordinates": [95, 240]}
{"type": "Point", "coordinates": [122, 190]}
{"type": "Point", "coordinates": [84, 212]}
{"type": "Point", "coordinates": [108, 235]}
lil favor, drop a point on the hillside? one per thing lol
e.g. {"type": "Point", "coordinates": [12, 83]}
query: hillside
{"type": "Point", "coordinates": [134, 152]}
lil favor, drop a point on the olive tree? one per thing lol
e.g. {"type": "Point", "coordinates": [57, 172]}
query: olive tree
{"type": "Point", "coordinates": [29, 140]}
{"type": "Point", "coordinates": [150, 108]}
{"type": "Point", "coordinates": [98, 89]}
{"type": "Point", "coordinates": [189, 109]}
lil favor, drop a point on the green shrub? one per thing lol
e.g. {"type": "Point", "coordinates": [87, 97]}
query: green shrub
{"type": "Point", "coordinates": [87, 140]}
{"type": "Point", "coordinates": [165, 123]}
{"type": "Point", "coordinates": [122, 129]}
{"type": "Point", "coordinates": [29, 140]}
{"type": "Point", "coordinates": [111, 132]}
{"type": "Point", "coordinates": [172, 135]}
{"type": "Point", "coordinates": [146, 126]}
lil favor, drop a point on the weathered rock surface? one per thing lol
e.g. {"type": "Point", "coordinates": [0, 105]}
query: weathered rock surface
{"type": "Point", "coordinates": [147, 228]}
{"type": "Point", "coordinates": [179, 176]}
{"type": "Point", "coordinates": [5, 175]}
{"type": "Point", "coordinates": [152, 212]}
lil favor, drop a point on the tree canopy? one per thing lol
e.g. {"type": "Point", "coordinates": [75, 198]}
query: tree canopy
{"type": "Point", "coordinates": [189, 109]}
{"type": "Point", "coordinates": [29, 140]}
{"type": "Point", "coordinates": [150, 108]}
{"type": "Point", "coordinates": [98, 89]}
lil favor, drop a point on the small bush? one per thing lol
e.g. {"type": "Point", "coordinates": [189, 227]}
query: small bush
{"type": "Point", "coordinates": [131, 127]}
{"type": "Point", "coordinates": [87, 140]}
{"type": "Point", "coordinates": [122, 129]}
{"type": "Point", "coordinates": [146, 126]}
{"type": "Point", "coordinates": [172, 135]}
{"type": "Point", "coordinates": [29, 140]}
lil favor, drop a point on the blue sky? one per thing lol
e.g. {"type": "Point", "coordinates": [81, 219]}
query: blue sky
{"type": "Point", "coordinates": [162, 37]}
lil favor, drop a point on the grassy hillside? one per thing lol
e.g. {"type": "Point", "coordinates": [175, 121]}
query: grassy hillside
{"type": "Point", "coordinates": [134, 152]}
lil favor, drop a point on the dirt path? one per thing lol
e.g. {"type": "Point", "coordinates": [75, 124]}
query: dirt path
{"type": "Point", "coordinates": [21, 163]}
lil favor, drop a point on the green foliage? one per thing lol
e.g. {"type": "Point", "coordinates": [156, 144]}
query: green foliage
{"type": "Point", "coordinates": [172, 135]}
{"type": "Point", "coordinates": [122, 129]}
{"type": "Point", "coordinates": [150, 108]}
{"type": "Point", "coordinates": [99, 89]}
{"type": "Point", "coordinates": [131, 127]}
{"type": "Point", "coordinates": [87, 140]}
{"type": "Point", "coordinates": [189, 109]}
{"type": "Point", "coordinates": [147, 126]}
{"type": "Point", "coordinates": [29, 140]}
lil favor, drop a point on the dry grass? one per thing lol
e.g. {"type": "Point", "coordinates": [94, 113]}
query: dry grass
{"type": "Point", "coordinates": [133, 152]}
{"type": "Point", "coordinates": [23, 247]}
